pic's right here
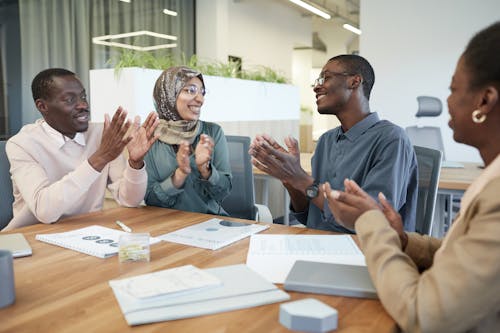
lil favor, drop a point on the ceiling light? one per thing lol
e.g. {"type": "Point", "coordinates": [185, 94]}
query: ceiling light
{"type": "Point", "coordinates": [105, 40]}
{"type": "Point", "coordinates": [312, 9]}
{"type": "Point", "coordinates": [352, 29]}
{"type": "Point", "coordinates": [169, 12]}
{"type": "Point", "coordinates": [128, 1]}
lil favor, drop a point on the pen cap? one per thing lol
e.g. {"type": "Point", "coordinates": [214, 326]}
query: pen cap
{"type": "Point", "coordinates": [7, 289]}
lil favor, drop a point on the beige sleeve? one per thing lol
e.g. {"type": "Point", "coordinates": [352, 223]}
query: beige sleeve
{"type": "Point", "coordinates": [455, 294]}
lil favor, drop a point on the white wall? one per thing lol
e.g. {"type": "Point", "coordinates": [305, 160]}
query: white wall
{"type": "Point", "coordinates": [261, 32]}
{"type": "Point", "coordinates": [413, 47]}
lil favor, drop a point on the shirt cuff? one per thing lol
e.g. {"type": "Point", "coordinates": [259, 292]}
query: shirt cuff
{"type": "Point", "coordinates": [214, 176]}
{"type": "Point", "coordinates": [85, 175]}
{"type": "Point", "coordinates": [136, 176]}
{"type": "Point", "coordinates": [168, 187]}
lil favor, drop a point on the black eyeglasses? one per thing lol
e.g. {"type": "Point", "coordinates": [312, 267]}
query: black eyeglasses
{"type": "Point", "coordinates": [194, 90]}
{"type": "Point", "coordinates": [327, 75]}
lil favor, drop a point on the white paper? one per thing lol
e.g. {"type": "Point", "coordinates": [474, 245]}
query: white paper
{"type": "Point", "coordinates": [273, 256]}
{"type": "Point", "coordinates": [212, 234]}
{"type": "Point", "coordinates": [170, 281]}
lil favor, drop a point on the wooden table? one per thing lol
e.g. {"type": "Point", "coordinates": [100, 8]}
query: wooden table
{"type": "Point", "coordinates": [62, 290]}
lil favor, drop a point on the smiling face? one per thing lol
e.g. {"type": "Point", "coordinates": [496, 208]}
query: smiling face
{"type": "Point", "coordinates": [333, 94]}
{"type": "Point", "coordinates": [461, 103]}
{"type": "Point", "coordinates": [65, 108]}
{"type": "Point", "coordinates": [190, 100]}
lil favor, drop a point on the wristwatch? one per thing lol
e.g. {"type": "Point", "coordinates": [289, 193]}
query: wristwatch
{"type": "Point", "coordinates": [312, 191]}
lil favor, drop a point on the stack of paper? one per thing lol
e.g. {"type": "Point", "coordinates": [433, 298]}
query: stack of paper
{"type": "Point", "coordinates": [239, 288]}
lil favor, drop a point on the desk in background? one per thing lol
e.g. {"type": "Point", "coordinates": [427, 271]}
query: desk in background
{"type": "Point", "coordinates": [452, 182]}
{"type": "Point", "coordinates": [63, 290]}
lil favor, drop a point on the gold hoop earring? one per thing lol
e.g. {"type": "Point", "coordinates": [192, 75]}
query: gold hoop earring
{"type": "Point", "coordinates": [477, 117]}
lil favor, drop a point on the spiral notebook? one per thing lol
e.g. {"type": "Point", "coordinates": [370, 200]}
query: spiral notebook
{"type": "Point", "coordinates": [94, 240]}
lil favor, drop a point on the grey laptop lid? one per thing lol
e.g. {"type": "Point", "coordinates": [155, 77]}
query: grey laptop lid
{"type": "Point", "coordinates": [330, 279]}
{"type": "Point", "coordinates": [15, 243]}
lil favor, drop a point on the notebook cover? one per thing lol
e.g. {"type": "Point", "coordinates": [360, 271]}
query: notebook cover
{"type": "Point", "coordinates": [330, 279]}
{"type": "Point", "coordinates": [17, 244]}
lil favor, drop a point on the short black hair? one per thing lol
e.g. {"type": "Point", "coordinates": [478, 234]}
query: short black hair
{"type": "Point", "coordinates": [358, 65]}
{"type": "Point", "coordinates": [481, 57]}
{"type": "Point", "coordinates": [42, 83]}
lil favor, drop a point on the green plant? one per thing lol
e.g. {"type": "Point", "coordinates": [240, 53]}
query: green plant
{"type": "Point", "coordinates": [131, 58]}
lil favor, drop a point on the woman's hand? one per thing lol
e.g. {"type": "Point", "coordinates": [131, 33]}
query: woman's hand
{"type": "Point", "coordinates": [203, 155]}
{"type": "Point", "coordinates": [394, 219]}
{"type": "Point", "coordinates": [349, 205]}
{"type": "Point", "coordinates": [183, 166]}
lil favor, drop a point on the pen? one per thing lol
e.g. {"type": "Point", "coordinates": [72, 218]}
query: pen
{"type": "Point", "coordinates": [123, 226]}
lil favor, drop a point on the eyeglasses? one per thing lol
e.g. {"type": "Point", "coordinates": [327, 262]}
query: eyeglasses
{"type": "Point", "coordinates": [194, 90]}
{"type": "Point", "coordinates": [327, 75]}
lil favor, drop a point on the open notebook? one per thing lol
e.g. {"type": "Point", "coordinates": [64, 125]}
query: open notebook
{"type": "Point", "coordinates": [94, 240]}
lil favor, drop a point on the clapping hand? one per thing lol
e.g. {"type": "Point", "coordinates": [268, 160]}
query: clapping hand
{"type": "Point", "coordinates": [349, 205]}
{"type": "Point", "coordinates": [142, 138]}
{"type": "Point", "coordinates": [203, 155]}
{"type": "Point", "coordinates": [273, 159]}
{"type": "Point", "coordinates": [113, 140]}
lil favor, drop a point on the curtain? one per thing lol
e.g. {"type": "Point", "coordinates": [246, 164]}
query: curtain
{"type": "Point", "coordinates": [58, 33]}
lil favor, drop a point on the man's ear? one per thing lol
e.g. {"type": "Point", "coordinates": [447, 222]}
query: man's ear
{"type": "Point", "coordinates": [489, 99]}
{"type": "Point", "coordinates": [356, 81]}
{"type": "Point", "coordinates": [41, 105]}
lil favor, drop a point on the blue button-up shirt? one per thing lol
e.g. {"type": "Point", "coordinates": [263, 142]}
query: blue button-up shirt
{"type": "Point", "coordinates": [378, 156]}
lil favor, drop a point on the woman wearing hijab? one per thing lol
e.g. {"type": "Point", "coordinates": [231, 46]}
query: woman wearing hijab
{"type": "Point", "coordinates": [188, 167]}
{"type": "Point", "coordinates": [449, 285]}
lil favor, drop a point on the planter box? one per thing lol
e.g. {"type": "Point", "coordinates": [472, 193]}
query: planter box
{"type": "Point", "coordinates": [227, 100]}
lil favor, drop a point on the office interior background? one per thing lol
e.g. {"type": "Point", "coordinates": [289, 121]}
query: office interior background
{"type": "Point", "coordinates": [412, 45]}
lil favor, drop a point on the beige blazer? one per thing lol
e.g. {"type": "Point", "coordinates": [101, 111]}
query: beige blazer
{"type": "Point", "coordinates": [454, 290]}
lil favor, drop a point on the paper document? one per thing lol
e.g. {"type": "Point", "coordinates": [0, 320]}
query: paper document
{"type": "Point", "coordinates": [171, 282]}
{"type": "Point", "coordinates": [273, 256]}
{"type": "Point", "coordinates": [213, 234]}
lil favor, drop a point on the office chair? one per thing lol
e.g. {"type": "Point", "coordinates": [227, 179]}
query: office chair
{"type": "Point", "coordinates": [6, 196]}
{"type": "Point", "coordinates": [429, 168]}
{"type": "Point", "coordinates": [427, 136]}
{"type": "Point", "coordinates": [240, 202]}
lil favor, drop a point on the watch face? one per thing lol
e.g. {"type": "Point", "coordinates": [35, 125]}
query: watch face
{"type": "Point", "coordinates": [312, 191]}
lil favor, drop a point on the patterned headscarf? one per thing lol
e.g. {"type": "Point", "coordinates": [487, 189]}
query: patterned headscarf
{"type": "Point", "coordinates": [172, 127]}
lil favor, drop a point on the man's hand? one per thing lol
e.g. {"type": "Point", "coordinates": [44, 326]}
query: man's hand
{"type": "Point", "coordinates": [143, 138]}
{"type": "Point", "coordinates": [348, 206]}
{"type": "Point", "coordinates": [273, 159]}
{"type": "Point", "coordinates": [113, 140]}
{"type": "Point", "coordinates": [203, 155]}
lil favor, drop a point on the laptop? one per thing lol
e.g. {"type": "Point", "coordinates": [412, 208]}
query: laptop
{"type": "Point", "coordinates": [17, 244]}
{"type": "Point", "coordinates": [330, 279]}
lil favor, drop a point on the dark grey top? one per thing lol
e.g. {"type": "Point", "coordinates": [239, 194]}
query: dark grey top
{"type": "Point", "coordinates": [378, 156]}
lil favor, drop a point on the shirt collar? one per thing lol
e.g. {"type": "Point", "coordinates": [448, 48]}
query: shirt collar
{"type": "Point", "coordinates": [361, 127]}
{"type": "Point", "coordinates": [61, 139]}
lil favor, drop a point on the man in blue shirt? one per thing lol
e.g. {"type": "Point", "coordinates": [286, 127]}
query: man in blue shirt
{"type": "Point", "coordinates": [375, 153]}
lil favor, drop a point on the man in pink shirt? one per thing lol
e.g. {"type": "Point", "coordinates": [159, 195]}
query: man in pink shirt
{"type": "Point", "coordinates": [61, 165]}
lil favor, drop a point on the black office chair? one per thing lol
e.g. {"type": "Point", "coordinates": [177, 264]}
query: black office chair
{"type": "Point", "coordinates": [427, 136]}
{"type": "Point", "coordinates": [6, 196]}
{"type": "Point", "coordinates": [429, 168]}
{"type": "Point", "coordinates": [241, 201]}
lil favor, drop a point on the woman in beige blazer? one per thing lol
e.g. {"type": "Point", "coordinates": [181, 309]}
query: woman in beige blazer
{"type": "Point", "coordinates": [449, 285]}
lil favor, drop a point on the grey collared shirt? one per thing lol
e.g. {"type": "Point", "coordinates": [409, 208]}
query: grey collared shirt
{"type": "Point", "coordinates": [378, 156]}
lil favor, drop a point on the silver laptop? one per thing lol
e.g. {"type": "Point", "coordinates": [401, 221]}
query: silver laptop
{"type": "Point", "coordinates": [330, 279]}
{"type": "Point", "coordinates": [15, 243]}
